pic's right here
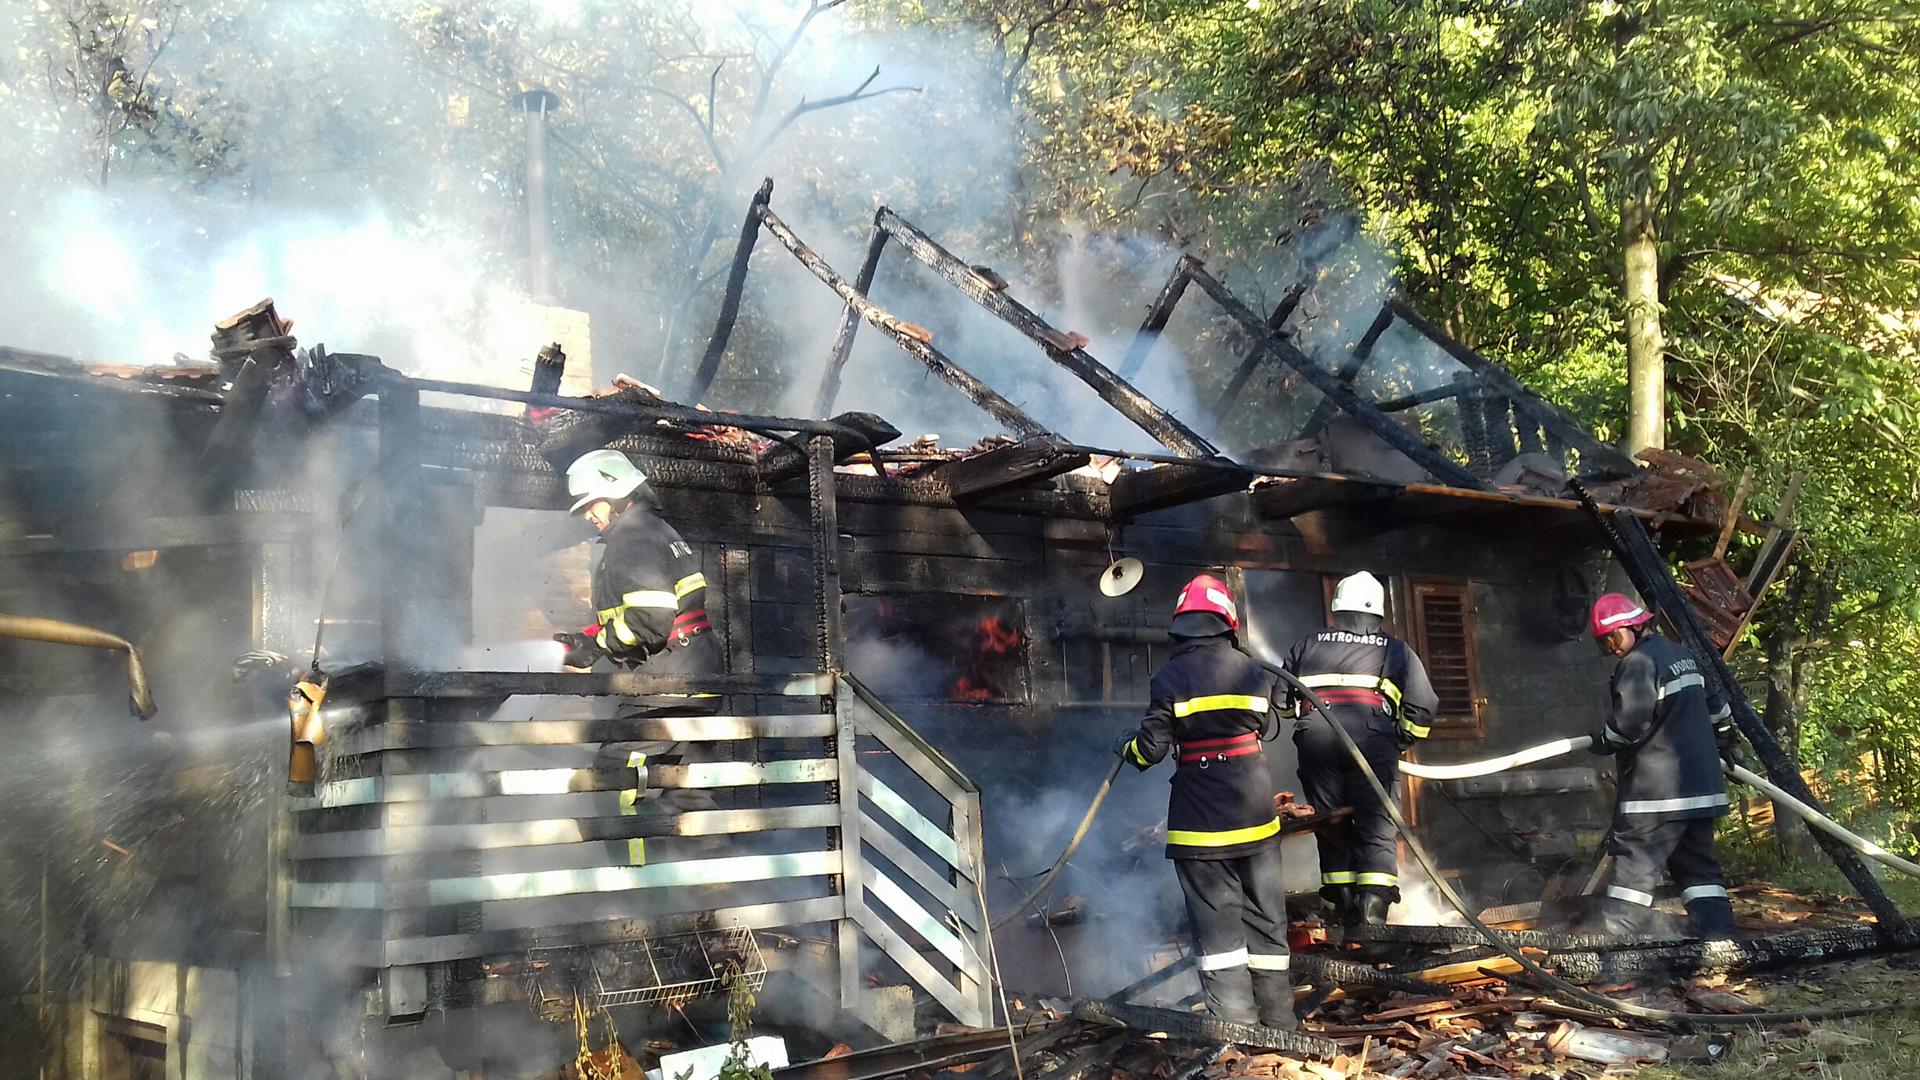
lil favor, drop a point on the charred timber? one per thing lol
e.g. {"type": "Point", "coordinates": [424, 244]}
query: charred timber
{"type": "Point", "coordinates": [914, 344]}
{"type": "Point", "coordinates": [1141, 491]}
{"type": "Point", "coordinates": [1724, 957]}
{"type": "Point", "coordinates": [1028, 461]}
{"type": "Point", "coordinates": [730, 300]}
{"type": "Point", "coordinates": [1647, 568]}
{"type": "Point", "coordinates": [1427, 396]}
{"type": "Point", "coordinates": [1188, 1027]}
{"type": "Point", "coordinates": [674, 413]}
{"type": "Point", "coordinates": [1158, 313]}
{"type": "Point", "coordinates": [1442, 467]}
{"type": "Point", "coordinates": [1601, 457]}
{"type": "Point", "coordinates": [1250, 362]}
{"type": "Point", "coordinates": [866, 432]}
{"type": "Point", "coordinates": [1114, 390]}
{"type": "Point", "coordinates": [1350, 369]}
{"type": "Point", "coordinates": [850, 321]}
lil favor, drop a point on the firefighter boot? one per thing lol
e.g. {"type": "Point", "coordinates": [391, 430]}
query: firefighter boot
{"type": "Point", "coordinates": [1622, 918]}
{"type": "Point", "coordinates": [1370, 905]}
{"type": "Point", "coordinates": [1340, 899]}
{"type": "Point", "coordinates": [1711, 918]}
{"type": "Point", "coordinates": [1273, 992]}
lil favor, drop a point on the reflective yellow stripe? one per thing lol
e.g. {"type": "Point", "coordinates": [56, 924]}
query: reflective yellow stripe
{"type": "Point", "coordinates": [1337, 877]}
{"type": "Point", "coordinates": [1370, 877]}
{"type": "Point", "coordinates": [658, 599]}
{"type": "Point", "coordinates": [1418, 731]}
{"type": "Point", "coordinates": [688, 584]}
{"type": "Point", "coordinates": [1391, 691]}
{"type": "Point", "coordinates": [637, 851]}
{"type": "Point", "coordinates": [1218, 702]}
{"type": "Point", "coordinates": [1228, 838]}
{"type": "Point", "coordinates": [1133, 754]}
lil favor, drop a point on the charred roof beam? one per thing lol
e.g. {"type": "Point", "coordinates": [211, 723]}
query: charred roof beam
{"type": "Point", "coordinates": [1158, 313]}
{"type": "Point", "coordinates": [913, 341]}
{"type": "Point", "coordinates": [1416, 449]}
{"type": "Point", "coordinates": [1145, 413]}
{"type": "Point", "coordinates": [1596, 457]}
{"type": "Point", "coordinates": [1251, 362]}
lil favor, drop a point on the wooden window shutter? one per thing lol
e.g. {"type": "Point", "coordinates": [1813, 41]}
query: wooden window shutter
{"type": "Point", "coordinates": [1443, 619]}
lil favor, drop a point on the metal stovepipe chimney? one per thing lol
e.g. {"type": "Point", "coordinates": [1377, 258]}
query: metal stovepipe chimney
{"type": "Point", "coordinates": [535, 105]}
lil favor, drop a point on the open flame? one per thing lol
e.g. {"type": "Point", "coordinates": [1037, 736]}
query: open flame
{"type": "Point", "coordinates": [993, 638]}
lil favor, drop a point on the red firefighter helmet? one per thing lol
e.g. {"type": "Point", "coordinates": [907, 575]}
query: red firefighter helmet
{"type": "Point", "coordinates": [1613, 611]}
{"type": "Point", "coordinates": [1209, 594]}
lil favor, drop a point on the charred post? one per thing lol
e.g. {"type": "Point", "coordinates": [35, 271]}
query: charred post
{"type": "Point", "coordinates": [730, 300]}
{"type": "Point", "coordinates": [850, 322]}
{"type": "Point", "coordinates": [1066, 350]}
{"type": "Point", "coordinates": [914, 340]}
{"type": "Point", "coordinates": [1158, 313]}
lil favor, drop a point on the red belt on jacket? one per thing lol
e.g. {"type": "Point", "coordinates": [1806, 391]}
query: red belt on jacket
{"type": "Point", "coordinates": [1351, 695]}
{"type": "Point", "coordinates": [1202, 751]}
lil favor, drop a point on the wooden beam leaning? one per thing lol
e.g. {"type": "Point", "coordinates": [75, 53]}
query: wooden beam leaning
{"type": "Point", "coordinates": [730, 299]}
{"type": "Point", "coordinates": [1114, 390]}
{"type": "Point", "coordinates": [1557, 423]}
{"type": "Point", "coordinates": [913, 341]}
{"type": "Point", "coordinates": [1028, 461]}
{"type": "Point", "coordinates": [1443, 468]}
{"type": "Point", "coordinates": [849, 322]}
{"type": "Point", "coordinates": [1155, 323]}
{"type": "Point", "coordinates": [391, 734]}
{"type": "Point", "coordinates": [1140, 491]}
{"type": "Point", "coordinates": [1250, 362]}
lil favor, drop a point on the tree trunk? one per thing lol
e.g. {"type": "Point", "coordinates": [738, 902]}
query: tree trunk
{"type": "Point", "coordinates": [1646, 349]}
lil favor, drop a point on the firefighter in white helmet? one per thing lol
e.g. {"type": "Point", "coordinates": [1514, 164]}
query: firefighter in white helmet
{"type": "Point", "coordinates": [1377, 689]}
{"type": "Point", "coordinates": [649, 599]}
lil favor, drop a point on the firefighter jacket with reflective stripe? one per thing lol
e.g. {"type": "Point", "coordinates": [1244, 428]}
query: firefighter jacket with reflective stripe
{"type": "Point", "coordinates": [1363, 676]}
{"type": "Point", "coordinates": [1207, 708]}
{"type": "Point", "coordinates": [1662, 727]}
{"type": "Point", "coordinates": [648, 591]}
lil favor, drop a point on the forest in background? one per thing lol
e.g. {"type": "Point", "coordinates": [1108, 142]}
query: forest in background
{"type": "Point", "coordinates": [1588, 191]}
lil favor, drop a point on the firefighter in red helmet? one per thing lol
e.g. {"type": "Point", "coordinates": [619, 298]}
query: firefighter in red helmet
{"type": "Point", "coordinates": [1377, 690]}
{"type": "Point", "coordinates": [1668, 726]}
{"type": "Point", "coordinates": [1209, 706]}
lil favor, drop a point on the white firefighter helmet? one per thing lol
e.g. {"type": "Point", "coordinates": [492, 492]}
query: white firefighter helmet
{"type": "Point", "coordinates": [602, 474]}
{"type": "Point", "coordinates": [1360, 592]}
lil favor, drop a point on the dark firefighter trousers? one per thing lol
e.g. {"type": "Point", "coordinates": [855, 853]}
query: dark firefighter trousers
{"type": "Point", "coordinates": [1363, 849]}
{"type": "Point", "coordinates": [1237, 909]}
{"type": "Point", "coordinates": [675, 661]}
{"type": "Point", "coordinates": [1641, 848]}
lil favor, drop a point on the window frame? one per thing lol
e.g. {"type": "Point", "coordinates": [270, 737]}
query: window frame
{"type": "Point", "coordinates": [1450, 725]}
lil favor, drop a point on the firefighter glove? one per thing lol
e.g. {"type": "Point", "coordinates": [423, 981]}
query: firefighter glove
{"type": "Point", "coordinates": [582, 651]}
{"type": "Point", "coordinates": [1125, 744]}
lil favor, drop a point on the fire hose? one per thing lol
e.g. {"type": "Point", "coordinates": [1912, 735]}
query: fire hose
{"type": "Point", "coordinates": [29, 628]}
{"type": "Point", "coordinates": [1487, 767]}
{"type": "Point", "coordinates": [1073, 845]}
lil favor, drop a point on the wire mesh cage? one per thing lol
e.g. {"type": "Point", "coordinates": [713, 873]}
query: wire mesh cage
{"type": "Point", "coordinates": [668, 970]}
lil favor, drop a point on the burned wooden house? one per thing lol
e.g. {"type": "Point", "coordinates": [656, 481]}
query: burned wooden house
{"type": "Point", "coordinates": [924, 674]}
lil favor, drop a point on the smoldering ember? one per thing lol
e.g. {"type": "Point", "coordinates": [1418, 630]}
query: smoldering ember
{"type": "Point", "coordinates": [1219, 697]}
